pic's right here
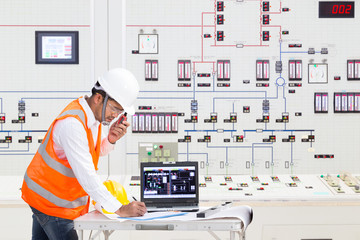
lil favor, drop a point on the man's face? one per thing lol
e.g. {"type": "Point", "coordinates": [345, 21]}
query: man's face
{"type": "Point", "coordinates": [112, 110]}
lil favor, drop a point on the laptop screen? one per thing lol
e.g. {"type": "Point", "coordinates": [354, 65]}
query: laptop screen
{"type": "Point", "coordinates": [175, 182]}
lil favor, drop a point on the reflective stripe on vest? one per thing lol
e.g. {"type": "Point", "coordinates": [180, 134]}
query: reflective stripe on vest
{"type": "Point", "coordinates": [57, 166]}
{"type": "Point", "coordinates": [52, 198]}
{"type": "Point", "coordinates": [52, 162]}
{"type": "Point", "coordinates": [79, 113]}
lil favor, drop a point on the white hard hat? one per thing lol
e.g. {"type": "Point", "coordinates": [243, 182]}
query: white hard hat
{"type": "Point", "coordinates": [121, 85]}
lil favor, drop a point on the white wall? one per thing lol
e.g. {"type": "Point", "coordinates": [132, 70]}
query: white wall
{"type": "Point", "coordinates": [42, 86]}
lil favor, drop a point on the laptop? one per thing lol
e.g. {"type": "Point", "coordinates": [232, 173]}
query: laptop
{"type": "Point", "coordinates": [170, 186]}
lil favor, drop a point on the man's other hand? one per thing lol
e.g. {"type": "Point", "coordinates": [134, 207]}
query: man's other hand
{"type": "Point", "coordinates": [117, 131]}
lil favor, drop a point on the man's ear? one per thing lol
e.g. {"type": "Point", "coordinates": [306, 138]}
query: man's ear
{"type": "Point", "coordinates": [98, 98]}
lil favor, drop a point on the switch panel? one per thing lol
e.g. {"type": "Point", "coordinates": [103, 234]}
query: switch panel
{"type": "Point", "coordinates": [295, 70]}
{"type": "Point", "coordinates": [321, 102]}
{"type": "Point", "coordinates": [158, 151]}
{"type": "Point", "coordinates": [262, 70]}
{"type": "Point", "coordinates": [151, 70]}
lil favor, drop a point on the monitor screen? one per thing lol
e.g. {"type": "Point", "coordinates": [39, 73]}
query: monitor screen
{"type": "Point", "coordinates": [169, 182]}
{"type": "Point", "coordinates": [57, 47]}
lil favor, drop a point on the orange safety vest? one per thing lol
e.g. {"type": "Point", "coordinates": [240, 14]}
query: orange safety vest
{"type": "Point", "coordinates": [50, 185]}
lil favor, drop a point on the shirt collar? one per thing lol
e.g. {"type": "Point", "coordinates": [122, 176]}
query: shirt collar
{"type": "Point", "coordinates": [91, 121]}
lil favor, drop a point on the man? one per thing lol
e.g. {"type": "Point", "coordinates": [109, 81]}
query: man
{"type": "Point", "coordinates": [62, 175]}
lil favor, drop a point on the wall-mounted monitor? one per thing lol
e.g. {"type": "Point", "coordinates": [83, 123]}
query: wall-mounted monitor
{"type": "Point", "coordinates": [57, 47]}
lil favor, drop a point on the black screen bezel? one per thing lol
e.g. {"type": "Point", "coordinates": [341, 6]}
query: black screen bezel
{"type": "Point", "coordinates": [74, 44]}
{"type": "Point", "coordinates": [324, 7]}
{"type": "Point", "coordinates": [169, 200]}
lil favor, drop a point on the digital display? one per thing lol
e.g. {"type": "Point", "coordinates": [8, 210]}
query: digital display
{"type": "Point", "coordinates": [178, 182]}
{"type": "Point", "coordinates": [57, 47]}
{"type": "Point", "coordinates": [336, 9]}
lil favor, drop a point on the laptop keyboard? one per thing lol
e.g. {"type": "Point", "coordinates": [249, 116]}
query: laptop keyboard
{"type": "Point", "coordinates": [182, 209]}
{"type": "Point", "coordinates": [173, 205]}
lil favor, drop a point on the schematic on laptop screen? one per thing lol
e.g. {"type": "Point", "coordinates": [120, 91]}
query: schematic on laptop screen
{"type": "Point", "coordinates": [169, 182]}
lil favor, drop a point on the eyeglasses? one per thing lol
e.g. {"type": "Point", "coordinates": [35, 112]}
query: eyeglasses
{"type": "Point", "coordinates": [115, 110]}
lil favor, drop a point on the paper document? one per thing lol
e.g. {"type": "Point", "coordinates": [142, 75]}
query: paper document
{"type": "Point", "coordinates": [146, 217]}
{"type": "Point", "coordinates": [244, 213]}
{"type": "Point", "coordinates": [155, 216]}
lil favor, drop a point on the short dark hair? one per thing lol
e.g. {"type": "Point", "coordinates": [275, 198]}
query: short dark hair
{"type": "Point", "coordinates": [101, 92]}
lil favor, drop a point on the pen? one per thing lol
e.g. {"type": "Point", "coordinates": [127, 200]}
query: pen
{"type": "Point", "coordinates": [134, 198]}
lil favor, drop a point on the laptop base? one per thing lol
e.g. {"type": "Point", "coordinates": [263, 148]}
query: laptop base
{"type": "Point", "coordinates": [169, 209]}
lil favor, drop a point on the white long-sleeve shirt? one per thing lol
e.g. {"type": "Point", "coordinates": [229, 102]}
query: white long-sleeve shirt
{"type": "Point", "coordinates": [71, 143]}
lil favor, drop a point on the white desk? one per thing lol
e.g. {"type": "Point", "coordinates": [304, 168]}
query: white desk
{"type": "Point", "coordinates": [96, 221]}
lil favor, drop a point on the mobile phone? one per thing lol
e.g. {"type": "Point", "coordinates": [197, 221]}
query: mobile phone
{"type": "Point", "coordinates": [122, 118]}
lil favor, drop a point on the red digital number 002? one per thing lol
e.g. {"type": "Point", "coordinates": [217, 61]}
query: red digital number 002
{"type": "Point", "coordinates": [341, 9]}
